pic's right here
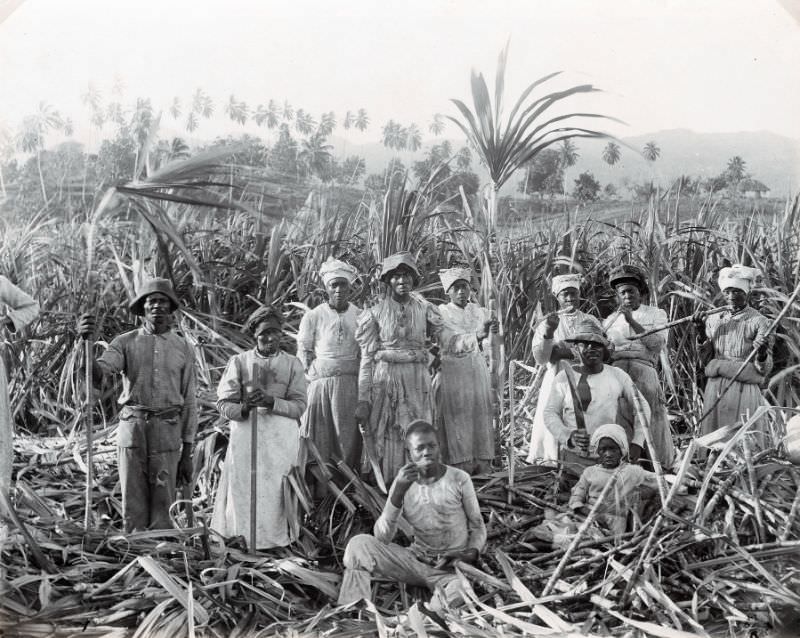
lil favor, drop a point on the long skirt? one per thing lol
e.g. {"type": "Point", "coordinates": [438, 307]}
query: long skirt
{"type": "Point", "coordinates": [736, 406]}
{"type": "Point", "coordinates": [544, 447]}
{"type": "Point", "coordinates": [646, 379]}
{"type": "Point", "coordinates": [400, 395]}
{"type": "Point", "coordinates": [464, 407]}
{"type": "Point", "coordinates": [329, 420]}
{"type": "Point", "coordinates": [278, 443]}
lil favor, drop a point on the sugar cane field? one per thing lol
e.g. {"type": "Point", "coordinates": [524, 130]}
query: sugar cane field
{"type": "Point", "coordinates": [246, 222]}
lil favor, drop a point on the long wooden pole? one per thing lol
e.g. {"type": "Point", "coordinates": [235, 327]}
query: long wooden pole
{"type": "Point", "coordinates": [89, 421]}
{"type": "Point", "coordinates": [253, 464]}
{"type": "Point", "coordinates": [512, 451]}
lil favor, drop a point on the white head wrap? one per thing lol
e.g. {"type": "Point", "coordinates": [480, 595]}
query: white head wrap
{"type": "Point", "coordinates": [609, 431]}
{"type": "Point", "coordinates": [452, 275]}
{"type": "Point", "coordinates": [336, 269]}
{"type": "Point", "coordinates": [737, 276]}
{"type": "Point", "coordinates": [562, 282]}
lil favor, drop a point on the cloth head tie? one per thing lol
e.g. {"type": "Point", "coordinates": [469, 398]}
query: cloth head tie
{"type": "Point", "coordinates": [336, 269]}
{"type": "Point", "coordinates": [737, 276]}
{"type": "Point", "coordinates": [562, 282]}
{"type": "Point", "coordinates": [451, 275]}
{"type": "Point", "coordinates": [609, 431]}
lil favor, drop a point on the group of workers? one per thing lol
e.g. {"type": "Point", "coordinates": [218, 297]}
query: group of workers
{"type": "Point", "coordinates": [361, 391]}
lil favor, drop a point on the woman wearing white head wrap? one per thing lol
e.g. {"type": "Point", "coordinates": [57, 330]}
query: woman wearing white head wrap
{"type": "Point", "coordinates": [727, 338]}
{"type": "Point", "coordinates": [462, 389]}
{"type": "Point", "coordinates": [329, 351]}
{"type": "Point", "coordinates": [549, 348]}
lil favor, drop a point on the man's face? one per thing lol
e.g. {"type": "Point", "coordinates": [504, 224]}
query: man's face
{"type": "Point", "coordinates": [736, 298]}
{"type": "Point", "coordinates": [423, 449]}
{"type": "Point", "coordinates": [568, 299]}
{"type": "Point", "coordinates": [591, 352]}
{"type": "Point", "coordinates": [608, 453]}
{"type": "Point", "coordinates": [401, 281]}
{"type": "Point", "coordinates": [338, 292]}
{"type": "Point", "coordinates": [157, 309]}
{"type": "Point", "coordinates": [268, 340]}
{"type": "Point", "coordinates": [459, 293]}
{"type": "Point", "coordinates": [629, 295]}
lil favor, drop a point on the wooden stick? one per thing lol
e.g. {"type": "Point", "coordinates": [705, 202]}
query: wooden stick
{"type": "Point", "coordinates": [671, 324]}
{"type": "Point", "coordinates": [253, 463]}
{"type": "Point", "coordinates": [512, 429]}
{"type": "Point", "coordinates": [89, 421]}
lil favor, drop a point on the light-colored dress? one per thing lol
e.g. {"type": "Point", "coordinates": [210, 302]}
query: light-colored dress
{"type": "Point", "coordinates": [21, 309]}
{"type": "Point", "coordinates": [393, 374]}
{"type": "Point", "coordinates": [639, 358]}
{"type": "Point", "coordinates": [464, 397]}
{"type": "Point", "coordinates": [730, 341]}
{"type": "Point", "coordinates": [544, 446]}
{"type": "Point", "coordinates": [329, 351]}
{"type": "Point", "coordinates": [608, 388]}
{"type": "Point", "coordinates": [280, 376]}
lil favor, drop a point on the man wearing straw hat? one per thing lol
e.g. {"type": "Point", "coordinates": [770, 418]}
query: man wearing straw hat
{"type": "Point", "coordinates": [462, 388]}
{"type": "Point", "coordinates": [727, 339]}
{"type": "Point", "coordinates": [639, 356]}
{"type": "Point", "coordinates": [394, 384]}
{"type": "Point", "coordinates": [329, 352]}
{"type": "Point", "coordinates": [158, 421]}
{"type": "Point", "coordinates": [587, 396]}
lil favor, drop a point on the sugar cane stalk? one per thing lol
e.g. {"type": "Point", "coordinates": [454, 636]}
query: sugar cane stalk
{"type": "Point", "coordinates": [89, 422]}
{"type": "Point", "coordinates": [512, 429]}
{"type": "Point", "coordinates": [672, 324]}
{"type": "Point", "coordinates": [253, 463]}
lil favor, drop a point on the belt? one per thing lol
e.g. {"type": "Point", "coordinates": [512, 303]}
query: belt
{"type": "Point", "coordinates": [155, 413]}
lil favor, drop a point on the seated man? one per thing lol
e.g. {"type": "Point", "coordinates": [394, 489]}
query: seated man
{"type": "Point", "coordinates": [439, 503]}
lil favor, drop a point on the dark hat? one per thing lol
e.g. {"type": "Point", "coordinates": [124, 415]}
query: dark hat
{"type": "Point", "coordinates": [393, 262]}
{"type": "Point", "coordinates": [628, 274]}
{"type": "Point", "coordinates": [164, 286]}
{"type": "Point", "coordinates": [588, 331]}
{"type": "Point", "coordinates": [266, 316]}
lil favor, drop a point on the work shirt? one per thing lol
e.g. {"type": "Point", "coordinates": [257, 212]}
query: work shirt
{"type": "Point", "coordinates": [157, 373]}
{"type": "Point", "coordinates": [326, 334]}
{"type": "Point", "coordinates": [444, 516]}
{"type": "Point", "coordinates": [646, 348]}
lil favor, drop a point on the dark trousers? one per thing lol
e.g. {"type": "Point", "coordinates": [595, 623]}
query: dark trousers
{"type": "Point", "coordinates": [149, 445]}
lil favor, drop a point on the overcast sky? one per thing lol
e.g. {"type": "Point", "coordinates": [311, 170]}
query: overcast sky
{"type": "Point", "coordinates": [706, 65]}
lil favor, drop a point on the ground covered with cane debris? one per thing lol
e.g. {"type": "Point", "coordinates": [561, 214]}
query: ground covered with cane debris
{"type": "Point", "coordinates": [721, 557]}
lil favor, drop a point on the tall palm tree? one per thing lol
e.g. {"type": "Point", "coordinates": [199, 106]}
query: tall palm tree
{"type": "Point", "coordinates": [315, 156]}
{"type": "Point", "coordinates": [349, 120]}
{"type": "Point", "coordinates": [651, 151]}
{"type": "Point", "coordinates": [362, 120]}
{"type": "Point", "coordinates": [273, 113]}
{"type": "Point", "coordinates": [237, 110]}
{"type": "Point", "coordinates": [175, 108]}
{"type": "Point", "coordinates": [304, 123]}
{"type": "Point", "coordinates": [191, 122]}
{"type": "Point", "coordinates": [413, 138]}
{"type": "Point", "coordinates": [437, 125]}
{"type": "Point", "coordinates": [31, 137]}
{"type": "Point", "coordinates": [327, 123]}
{"type": "Point", "coordinates": [735, 171]}
{"type": "Point", "coordinates": [91, 97]}
{"type": "Point", "coordinates": [611, 153]}
{"type": "Point", "coordinates": [392, 135]}
{"type": "Point", "coordinates": [287, 111]}
{"type": "Point", "coordinates": [260, 115]}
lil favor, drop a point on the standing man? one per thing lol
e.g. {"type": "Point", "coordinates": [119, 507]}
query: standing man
{"type": "Point", "coordinates": [598, 389]}
{"type": "Point", "coordinates": [328, 349]}
{"type": "Point", "coordinates": [440, 505]}
{"type": "Point", "coordinates": [639, 357]}
{"type": "Point", "coordinates": [464, 398]}
{"type": "Point", "coordinates": [393, 383]}
{"type": "Point", "coordinates": [158, 421]}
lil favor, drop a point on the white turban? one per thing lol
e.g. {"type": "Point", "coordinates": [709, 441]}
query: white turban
{"type": "Point", "coordinates": [562, 282]}
{"type": "Point", "coordinates": [452, 275]}
{"type": "Point", "coordinates": [737, 276]}
{"type": "Point", "coordinates": [336, 269]}
{"type": "Point", "coordinates": [609, 431]}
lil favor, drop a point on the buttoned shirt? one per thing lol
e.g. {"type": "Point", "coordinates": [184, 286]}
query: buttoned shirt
{"type": "Point", "coordinates": [157, 373]}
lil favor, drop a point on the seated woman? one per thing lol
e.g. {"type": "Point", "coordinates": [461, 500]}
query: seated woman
{"type": "Point", "coordinates": [610, 443]}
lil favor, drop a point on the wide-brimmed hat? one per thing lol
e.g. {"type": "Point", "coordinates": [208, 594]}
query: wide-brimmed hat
{"type": "Point", "coordinates": [628, 274]}
{"type": "Point", "coordinates": [263, 319]}
{"type": "Point", "coordinates": [588, 331]}
{"type": "Point", "coordinates": [393, 262]}
{"type": "Point", "coordinates": [164, 286]}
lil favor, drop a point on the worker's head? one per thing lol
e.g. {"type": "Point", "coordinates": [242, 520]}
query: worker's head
{"type": "Point", "coordinates": [422, 442]}
{"type": "Point", "coordinates": [338, 278]}
{"type": "Point", "coordinates": [736, 282]}
{"type": "Point", "coordinates": [630, 285]}
{"type": "Point", "coordinates": [592, 344]}
{"type": "Point", "coordinates": [566, 288]}
{"type": "Point", "coordinates": [610, 443]}
{"type": "Point", "coordinates": [156, 301]}
{"type": "Point", "coordinates": [266, 326]}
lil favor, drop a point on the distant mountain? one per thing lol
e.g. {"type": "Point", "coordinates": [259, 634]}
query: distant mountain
{"type": "Point", "coordinates": [770, 158]}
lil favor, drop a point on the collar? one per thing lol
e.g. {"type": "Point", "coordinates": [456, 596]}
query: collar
{"type": "Point", "coordinates": [147, 329]}
{"type": "Point", "coordinates": [266, 357]}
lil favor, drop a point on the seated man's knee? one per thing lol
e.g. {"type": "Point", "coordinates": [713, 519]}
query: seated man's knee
{"type": "Point", "coordinates": [358, 554]}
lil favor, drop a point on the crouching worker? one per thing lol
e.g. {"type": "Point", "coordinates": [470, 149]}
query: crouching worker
{"type": "Point", "coordinates": [440, 505]}
{"type": "Point", "coordinates": [610, 443]}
